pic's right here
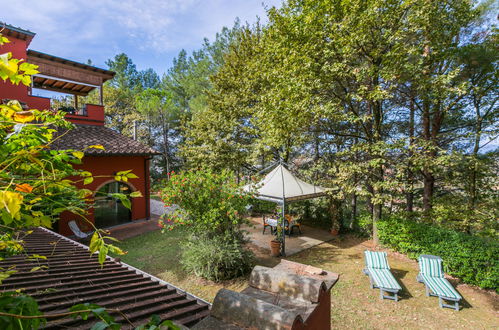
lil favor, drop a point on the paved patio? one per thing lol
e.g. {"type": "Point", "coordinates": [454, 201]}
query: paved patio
{"type": "Point", "coordinates": [310, 237]}
{"type": "Point", "coordinates": [134, 228]}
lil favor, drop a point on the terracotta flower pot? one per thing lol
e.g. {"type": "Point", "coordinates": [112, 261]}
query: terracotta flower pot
{"type": "Point", "coordinates": [335, 232]}
{"type": "Point", "coordinates": [275, 248]}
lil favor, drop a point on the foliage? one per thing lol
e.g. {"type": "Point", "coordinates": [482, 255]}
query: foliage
{"type": "Point", "coordinates": [314, 212]}
{"type": "Point", "coordinates": [259, 206]}
{"type": "Point", "coordinates": [15, 70]}
{"type": "Point", "coordinates": [35, 187]}
{"type": "Point", "coordinates": [381, 99]}
{"type": "Point", "coordinates": [216, 258]}
{"type": "Point", "coordinates": [365, 223]}
{"type": "Point", "coordinates": [19, 304]}
{"type": "Point", "coordinates": [472, 259]}
{"type": "Point", "coordinates": [211, 207]}
{"type": "Point", "coordinates": [209, 202]}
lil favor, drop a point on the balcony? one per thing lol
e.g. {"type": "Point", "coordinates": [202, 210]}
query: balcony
{"type": "Point", "coordinates": [88, 114]}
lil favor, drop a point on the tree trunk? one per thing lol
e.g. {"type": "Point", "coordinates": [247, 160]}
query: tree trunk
{"type": "Point", "coordinates": [166, 145]}
{"type": "Point", "coordinates": [335, 209]}
{"type": "Point", "coordinates": [369, 204]}
{"type": "Point", "coordinates": [476, 148]}
{"type": "Point", "coordinates": [353, 221]}
{"type": "Point", "coordinates": [377, 207]}
{"type": "Point", "coordinates": [410, 173]}
{"type": "Point", "coordinates": [428, 178]}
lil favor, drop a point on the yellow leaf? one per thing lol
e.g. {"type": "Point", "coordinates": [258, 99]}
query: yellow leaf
{"type": "Point", "coordinates": [7, 111]}
{"type": "Point", "coordinates": [23, 117]}
{"type": "Point", "coordinates": [78, 154]}
{"type": "Point", "coordinates": [97, 146]}
{"type": "Point", "coordinates": [15, 105]}
{"type": "Point", "coordinates": [12, 202]}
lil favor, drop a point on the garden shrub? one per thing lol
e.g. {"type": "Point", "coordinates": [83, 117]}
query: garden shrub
{"type": "Point", "coordinates": [313, 212]}
{"type": "Point", "coordinates": [473, 259]}
{"type": "Point", "coordinates": [209, 202]}
{"type": "Point", "coordinates": [259, 206]}
{"type": "Point", "coordinates": [211, 207]}
{"type": "Point", "coordinates": [365, 223]}
{"type": "Point", "coordinates": [216, 258]}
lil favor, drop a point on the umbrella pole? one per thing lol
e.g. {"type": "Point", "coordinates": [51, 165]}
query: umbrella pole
{"type": "Point", "coordinates": [283, 226]}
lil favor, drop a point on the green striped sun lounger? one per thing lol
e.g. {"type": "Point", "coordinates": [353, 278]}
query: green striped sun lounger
{"type": "Point", "coordinates": [432, 275]}
{"type": "Point", "coordinates": [379, 273]}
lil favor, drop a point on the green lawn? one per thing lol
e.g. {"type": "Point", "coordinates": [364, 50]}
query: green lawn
{"type": "Point", "coordinates": [354, 304]}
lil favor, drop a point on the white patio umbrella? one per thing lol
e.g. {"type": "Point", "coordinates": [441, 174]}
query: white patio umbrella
{"type": "Point", "coordinates": [281, 187]}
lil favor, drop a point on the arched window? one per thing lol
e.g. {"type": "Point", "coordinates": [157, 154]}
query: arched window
{"type": "Point", "coordinates": [109, 211]}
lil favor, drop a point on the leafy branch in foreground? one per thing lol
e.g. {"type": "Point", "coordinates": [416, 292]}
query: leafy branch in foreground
{"type": "Point", "coordinates": [35, 188]}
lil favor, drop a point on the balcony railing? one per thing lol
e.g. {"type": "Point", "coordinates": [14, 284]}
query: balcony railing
{"type": "Point", "coordinates": [71, 110]}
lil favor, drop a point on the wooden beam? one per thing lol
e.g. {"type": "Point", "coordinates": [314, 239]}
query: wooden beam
{"type": "Point", "coordinates": [60, 90]}
{"type": "Point", "coordinates": [66, 85]}
{"type": "Point", "coordinates": [66, 71]}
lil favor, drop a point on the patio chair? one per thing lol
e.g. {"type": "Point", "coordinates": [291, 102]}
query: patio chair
{"type": "Point", "coordinates": [380, 276]}
{"type": "Point", "coordinates": [80, 235]}
{"type": "Point", "coordinates": [432, 275]}
{"type": "Point", "coordinates": [293, 224]}
{"type": "Point", "coordinates": [265, 225]}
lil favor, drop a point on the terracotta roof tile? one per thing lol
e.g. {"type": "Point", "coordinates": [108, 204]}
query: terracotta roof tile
{"type": "Point", "coordinates": [73, 276]}
{"type": "Point", "coordinates": [114, 143]}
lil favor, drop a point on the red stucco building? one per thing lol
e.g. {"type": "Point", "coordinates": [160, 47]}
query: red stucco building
{"type": "Point", "coordinates": [121, 153]}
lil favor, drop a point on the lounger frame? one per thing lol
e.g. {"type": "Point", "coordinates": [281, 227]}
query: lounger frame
{"type": "Point", "coordinates": [382, 291]}
{"type": "Point", "coordinates": [394, 292]}
{"type": "Point", "coordinates": [441, 299]}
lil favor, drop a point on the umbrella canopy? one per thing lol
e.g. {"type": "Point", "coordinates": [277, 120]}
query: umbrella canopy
{"type": "Point", "coordinates": [281, 186]}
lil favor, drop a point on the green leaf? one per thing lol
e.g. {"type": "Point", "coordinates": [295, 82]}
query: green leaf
{"type": "Point", "coordinates": [99, 326]}
{"type": "Point", "coordinates": [102, 254]}
{"type": "Point", "coordinates": [88, 180]}
{"type": "Point", "coordinates": [126, 203]}
{"type": "Point", "coordinates": [135, 194]}
{"type": "Point", "coordinates": [95, 242]}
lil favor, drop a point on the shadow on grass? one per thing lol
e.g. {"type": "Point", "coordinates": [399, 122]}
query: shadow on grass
{"type": "Point", "coordinates": [400, 274]}
{"type": "Point", "coordinates": [348, 241]}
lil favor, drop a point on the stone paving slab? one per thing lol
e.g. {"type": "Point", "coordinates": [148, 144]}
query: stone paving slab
{"type": "Point", "coordinates": [310, 237]}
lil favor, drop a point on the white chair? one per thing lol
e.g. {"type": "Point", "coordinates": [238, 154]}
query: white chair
{"type": "Point", "coordinates": [76, 230]}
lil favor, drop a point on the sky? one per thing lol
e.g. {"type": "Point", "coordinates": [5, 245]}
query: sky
{"type": "Point", "coordinates": [151, 32]}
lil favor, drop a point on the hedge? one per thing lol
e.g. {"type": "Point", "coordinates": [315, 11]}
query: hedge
{"type": "Point", "coordinates": [472, 259]}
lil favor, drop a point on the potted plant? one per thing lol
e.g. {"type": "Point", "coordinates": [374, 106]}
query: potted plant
{"type": "Point", "coordinates": [335, 231]}
{"type": "Point", "coordinates": [275, 244]}
{"type": "Point", "coordinates": [335, 227]}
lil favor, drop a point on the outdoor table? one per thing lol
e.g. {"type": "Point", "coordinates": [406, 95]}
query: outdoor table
{"type": "Point", "coordinates": [272, 223]}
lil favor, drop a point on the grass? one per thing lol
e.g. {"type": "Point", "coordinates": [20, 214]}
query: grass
{"type": "Point", "coordinates": [354, 304]}
{"type": "Point", "coordinates": [159, 254]}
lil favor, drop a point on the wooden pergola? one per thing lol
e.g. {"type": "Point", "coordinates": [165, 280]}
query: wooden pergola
{"type": "Point", "coordinates": [65, 76]}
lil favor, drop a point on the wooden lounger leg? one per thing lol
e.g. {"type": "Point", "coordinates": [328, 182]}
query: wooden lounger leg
{"type": "Point", "coordinates": [427, 290]}
{"type": "Point", "coordinates": [388, 296]}
{"type": "Point", "coordinates": [443, 304]}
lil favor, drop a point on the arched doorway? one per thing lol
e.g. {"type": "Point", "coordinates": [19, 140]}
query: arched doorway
{"type": "Point", "coordinates": [109, 211]}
